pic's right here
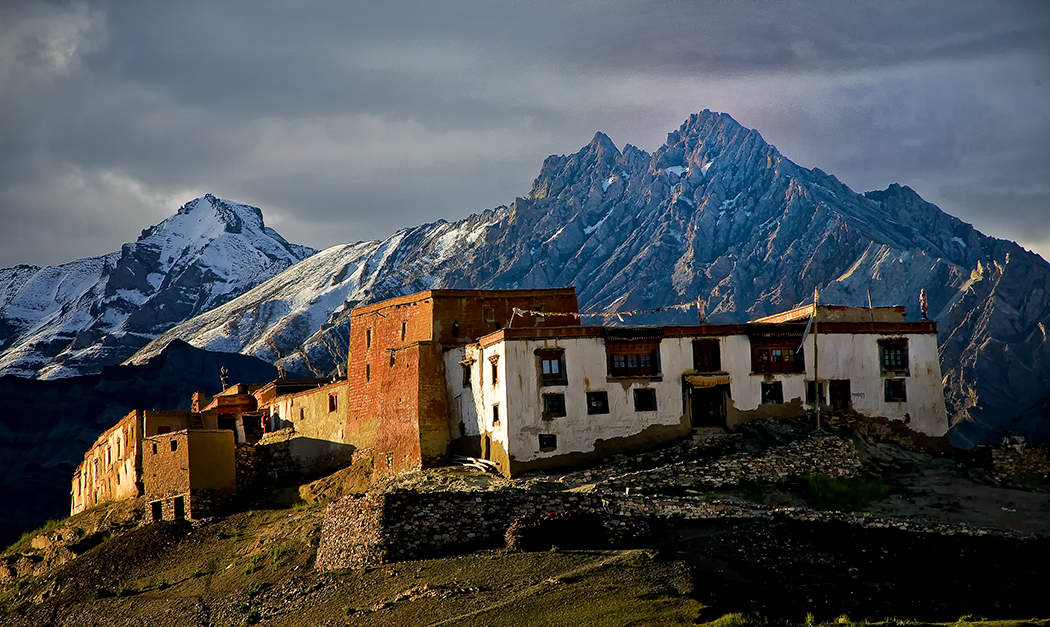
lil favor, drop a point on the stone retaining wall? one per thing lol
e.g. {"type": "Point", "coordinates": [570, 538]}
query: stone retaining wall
{"type": "Point", "coordinates": [366, 530]}
{"type": "Point", "coordinates": [1021, 460]}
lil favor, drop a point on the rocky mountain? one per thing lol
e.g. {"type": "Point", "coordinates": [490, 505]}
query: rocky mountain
{"type": "Point", "coordinates": [715, 212]}
{"type": "Point", "coordinates": [75, 318]}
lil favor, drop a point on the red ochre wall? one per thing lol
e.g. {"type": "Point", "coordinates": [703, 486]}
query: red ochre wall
{"type": "Point", "coordinates": [399, 408]}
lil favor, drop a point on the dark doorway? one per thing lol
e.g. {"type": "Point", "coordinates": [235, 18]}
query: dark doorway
{"type": "Point", "coordinates": [157, 509]}
{"type": "Point", "coordinates": [708, 406]}
{"type": "Point", "coordinates": [840, 394]}
{"type": "Point", "coordinates": [487, 449]}
{"type": "Point", "coordinates": [180, 508]}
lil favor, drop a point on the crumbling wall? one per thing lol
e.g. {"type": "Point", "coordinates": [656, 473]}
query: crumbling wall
{"type": "Point", "coordinates": [1020, 460]}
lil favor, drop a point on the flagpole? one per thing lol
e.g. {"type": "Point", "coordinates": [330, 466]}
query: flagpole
{"type": "Point", "coordinates": [816, 354]}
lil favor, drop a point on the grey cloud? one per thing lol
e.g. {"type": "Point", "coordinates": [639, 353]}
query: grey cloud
{"type": "Point", "coordinates": [346, 121]}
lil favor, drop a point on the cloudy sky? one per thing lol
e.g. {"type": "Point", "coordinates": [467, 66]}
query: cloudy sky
{"type": "Point", "coordinates": [344, 121]}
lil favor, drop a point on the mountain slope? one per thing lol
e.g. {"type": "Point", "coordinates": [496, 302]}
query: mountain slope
{"type": "Point", "coordinates": [715, 212]}
{"type": "Point", "coordinates": [60, 321]}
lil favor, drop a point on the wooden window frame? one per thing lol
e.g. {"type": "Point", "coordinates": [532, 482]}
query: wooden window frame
{"type": "Point", "coordinates": [895, 390]}
{"type": "Point", "coordinates": [553, 406]}
{"type": "Point", "coordinates": [770, 355]}
{"type": "Point", "coordinates": [707, 355]}
{"type": "Point", "coordinates": [645, 400]}
{"type": "Point", "coordinates": [893, 357]}
{"type": "Point", "coordinates": [597, 403]}
{"type": "Point", "coordinates": [551, 364]}
{"type": "Point", "coordinates": [639, 359]}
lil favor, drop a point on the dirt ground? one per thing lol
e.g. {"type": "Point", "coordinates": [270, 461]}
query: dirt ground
{"type": "Point", "coordinates": [256, 567]}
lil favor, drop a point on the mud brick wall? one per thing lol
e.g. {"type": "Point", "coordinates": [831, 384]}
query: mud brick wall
{"type": "Point", "coordinates": [374, 529]}
{"type": "Point", "coordinates": [1020, 460]}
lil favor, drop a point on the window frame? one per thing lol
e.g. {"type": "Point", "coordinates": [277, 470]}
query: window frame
{"type": "Point", "coordinates": [556, 358]}
{"type": "Point", "coordinates": [633, 359]}
{"type": "Point", "coordinates": [551, 439]}
{"type": "Point", "coordinates": [774, 355]}
{"type": "Point", "coordinates": [707, 355]}
{"type": "Point", "coordinates": [889, 394]}
{"type": "Point", "coordinates": [642, 396]}
{"type": "Point", "coordinates": [772, 392]}
{"type": "Point", "coordinates": [592, 408]}
{"type": "Point", "coordinates": [553, 406]}
{"type": "Point", "coordinates": [894, 359]}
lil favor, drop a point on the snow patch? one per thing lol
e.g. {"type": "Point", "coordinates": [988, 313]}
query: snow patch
{"type": "Point", "coordinates": [959, 240]}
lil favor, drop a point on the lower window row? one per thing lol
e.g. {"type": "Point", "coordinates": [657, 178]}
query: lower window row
{"type": "Point", "coordinates": [597, 403]}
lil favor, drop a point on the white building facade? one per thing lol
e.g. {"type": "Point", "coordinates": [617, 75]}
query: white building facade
{"type": "Point", "coordinates": [537, 398]}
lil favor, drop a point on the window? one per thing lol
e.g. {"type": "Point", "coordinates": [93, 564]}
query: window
{"type": "Point", "coordinates": [163, 429]}
{"type": "Point", "coordinates": [633, 359]}
{"type": "Point", "coordinates": [154, 448]}
{"type": "Point", "coordinates": [553, 405]}
{"type": "Point", "coordinates": [597, 403]}
{"type": "Point", "coordinates": [404, 329]}
{"type": "Point", "coordinates": [494, 361]}
{"type": "Point", "coordinates": [495, 414]}
{"type": "Point", "coordinates": [552, 367]}
{"type": "Point", "coordinates": [772, 392]}
{"type": "Point", "coordinates": [895, 391]}
{"type": "Point", "coordinates": [174, 445]}
{"type": "Point", "coordinates": [393, 358]}
{"type": "Point", "coordinates": [893, 356]}
{"type": "Point", "coordinates": [645, 400]}
{"type": "Point", "coordinates": [368, 337]}
{"type": "Point", "coordinates": [490, 314]}
{"type": "Point", "coordinates": [368, 372]}
{"type": "Point", "coordinates": [814, 391]}
{"type": "Point", "coordinates": [333, 402]}
{"type": "Point", "coordinates": [548, 442]}
{"type": "Point", "coordinates": [540, 318]}
{"type": "Point", "coordinates": [777, 355]}
{"type": "Point", "coordinates": [302, 414]}
{"type": "Point", "coordinates": [109, 456]}
{"type": "Point", "coordinates": [706, 356]}
{"type": "Point", "coordinates": [466, 374]}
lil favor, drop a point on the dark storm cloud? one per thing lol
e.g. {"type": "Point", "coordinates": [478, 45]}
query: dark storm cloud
{"type": "Point", "coordinates": [346, 121]}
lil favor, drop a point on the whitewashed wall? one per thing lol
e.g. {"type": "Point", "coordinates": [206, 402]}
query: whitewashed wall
{"type": "Point", "coordinates": [585, 368]}
{"type": "Point", "coordinates": [520, 394]}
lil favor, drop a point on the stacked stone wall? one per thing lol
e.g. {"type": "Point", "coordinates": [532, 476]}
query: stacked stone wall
{"type": "Point", "coordinates": [367, 530]}
{"type": "Point", "coordinates": [403, 525]}
{"type": "Point", "coordinates": [250, 468]}
{"type": "Point", "coordinates": [1020, 460]}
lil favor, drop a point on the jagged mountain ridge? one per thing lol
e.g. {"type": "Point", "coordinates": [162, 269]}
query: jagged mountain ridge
{"type": "Point", "coordinates": [716, 212]}
{"type": "Point", "coordinates": [75, 318]}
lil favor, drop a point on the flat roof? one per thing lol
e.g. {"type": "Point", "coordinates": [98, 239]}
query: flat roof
{"type": "Point", "coordinates": [706, 330]}
{"type": "Point", "coordinates": [479, 294]}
